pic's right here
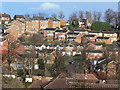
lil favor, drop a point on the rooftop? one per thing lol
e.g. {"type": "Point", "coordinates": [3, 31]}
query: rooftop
{"type": "Point", "coordinates": [102, 37]}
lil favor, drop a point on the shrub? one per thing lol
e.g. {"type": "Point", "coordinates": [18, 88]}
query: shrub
{"type": "Point", "coordinates": [26, 33]}
{"type": "Point", "coordinates": [20, 72]}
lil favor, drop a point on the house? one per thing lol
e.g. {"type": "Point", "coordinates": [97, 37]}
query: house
{"type": "Point", "coordinates": [17, 66]}
{"type": "Point", "coordinates": [76, 45]}
{"type": "Point", "coordinates": [107, 40]}
{"type": "Point", "coordinates": [94, 54]}
{"type": "Point", "coordinates": [56, 23]}
{"type": "Point", "coordinates": [70, 53]}
{"type": "Point", "coordinates": [68, 47]}
{"type": "Point", "coordinates": [70, 39]}
{"type": "Point", "coordinates": [35, 25]}
{"type": "Point", "coordinates": [53, 23]}
{"type": "Point", "coordinates": [60, 35]}
{"type": "Point", "coordinates": [49, 32]}
{"type": "Point", "coordinates": [72, 36]}
{"type": "Point", "coordinates": [32, 25]}
{"type": "Point", "coordinates": [95, 46]}
{"type": "Point", "coordinates": [16, 28]}
{"type": "Point", "coordinates": [97, 33]}
{"type": "Point", "coordinates": [112, 35]}
{"type": "Point", "coordinates": [95, 61]}
{"type": "Point", "coordinates": [82, 32]}
{"type": "Point", "coordinates": [90, 37]}
{"type": "Point", "coordinates": [83, 23]}
{"type": "Point", "coordinates": [109, 67]}
{"type": "Point", "coordinates": [58, 82]}
{"type": "Point", "coordinates": [6, 18]}
{"type": "Point", "coordinates": [63, 22]}
{"type": "Point", "coordinates": [19, 17]}
{"type": "Point", "coordinates": [44, 23]}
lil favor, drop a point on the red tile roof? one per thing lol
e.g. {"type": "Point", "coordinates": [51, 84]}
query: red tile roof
{"type": "Point", "coordinates": [82, 76]}
{"type": "Point", "coordinates": [35, 84]}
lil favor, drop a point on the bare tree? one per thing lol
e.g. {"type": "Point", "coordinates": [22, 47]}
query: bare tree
{"type": "Point", "coordinates": [34, 15]}
{"type": "Point", "coordinates": [81, 15]}
{"type": "Point", "coordinates": [61, 15]}
{"type": "Point", "coordinates": [99, 14]}
{"type": "Point", "coordinates": [95, 16]}
{"type": "Point", "coordinates": [115, 18]}
{"type": "Point", "coordinates": [54, 15]}
{"type": "Point", "coordinates": [42, 14]}
{"type": "Point", "coordinates": [27, 15]}
{"type": "Point", "coordinates": [108, 15]}
{"type": "Point", "coordinates": [73, 17]}
{"type": "Point", "coordinates": [89, 16]}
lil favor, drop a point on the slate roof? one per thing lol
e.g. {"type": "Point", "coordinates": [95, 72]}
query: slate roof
{"type": "Point", "coordinates": [5, 15]}
{"type": "Point", "coordinates": [89, 35]}
{"type": "Point", "coordinates": [51, 29]}
{"type": "Point", "coordinates": [79, 30]}
{"type": "Point", "coordinates": [98, 59]}
{"type": "Point", "coordinates": [97, 44]}
{"type": "Point", "coordinates": [56, 20]}
{"type": "Point", "coordinates": [109, 32]}
{"type": "Point", "coordinates": [95, 51]}
{"type": "Point", "coordinates": [61, 31]}
{"type": "Point", "coordinates": [21, 21]}
{"type": "Point", "coordinates": [48, 51]}
{"type": "Point", "coordinates": [4, 34]}
{"type": "Point", "coordinates": [75, 43]}
{"type": "Point", "coordinates": [71, 38]}
{"type": "Point", "coordinates": [19, 16]}
{"type": "Point", "coordinates": [102, 37]}
{"type": "Point", "coordinates": [94, 31]}
{"type": "Point", "coordinates": [72, 33]}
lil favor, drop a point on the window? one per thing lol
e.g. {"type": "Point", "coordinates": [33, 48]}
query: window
{"type": "Point", "coordinates": [112, 66]}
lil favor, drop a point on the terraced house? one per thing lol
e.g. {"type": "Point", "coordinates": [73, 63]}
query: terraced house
{"type": "Point", "coordinates": [60, 35]}
{"type": "Point", "coordinates": [107, 40]}
{"type": "Point", "coordinates": [18, 17]}
{"type": "Point", "coordinates": [6, 18]}
{"type": "Point", "coordinates": [94, 54]}
{"type": "Point", "coordinates": [90, 37]}
{"type": "Point", "coordinates": [17, 28]}
{"type": "Point", "coordinates": [44, 23]}
{"type": "Point", "coordinates": [112, 35]}
{"type": "Point", "coordinates": [71, 36]}
{"type": "Point", "coordinates": [97, 33]}
{"type": "Point", "coordinates": [82, 32]}
{"type": "Point", "coordinates": [49, 33]}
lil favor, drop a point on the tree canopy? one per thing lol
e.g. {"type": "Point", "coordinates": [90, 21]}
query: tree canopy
{"type": "Point", "coordinates": [100, 26]}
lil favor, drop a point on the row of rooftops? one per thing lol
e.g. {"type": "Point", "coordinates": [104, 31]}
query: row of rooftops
{"type": "Point", "coordinates": [79, 30]}
{"type": "Point", "coordinates": [35, 18]}
{"type": "Point", "coordinates": [97, 37]}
